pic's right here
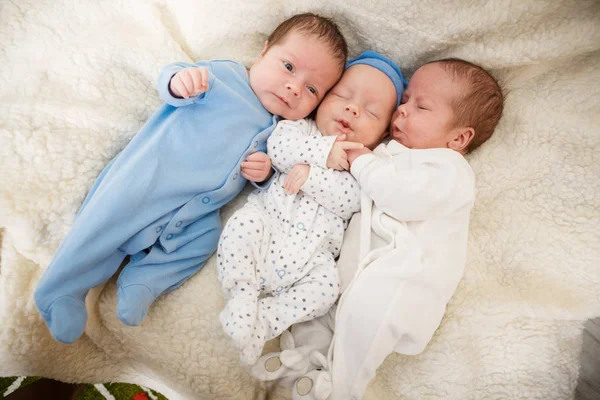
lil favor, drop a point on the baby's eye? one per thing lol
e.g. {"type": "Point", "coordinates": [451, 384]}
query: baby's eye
{"type": "Point", "coordinates": [288, 66]}
{"type": "Point", "coordinates": [312, 90]}
{"type": "Point", "coordinates": [371, 113]}
{"type": "Point", "coordinates": [420, 107]}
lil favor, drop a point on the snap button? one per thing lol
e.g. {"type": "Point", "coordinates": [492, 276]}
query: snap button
{"type": "Point", "coordinates": [169, 236]}
{"type": "Point", "coordinates": [178, 224]}
{"type": "Point", "coordinates": [206, 200]}
{"type": "Point", "coordinates": [300, 226]}
{"type": "Point", "coordinates": [255, 144]}
{"type": "Point", "coordinates": [235, 176]}
{"type": "Point", "coordinates": [158, 229]}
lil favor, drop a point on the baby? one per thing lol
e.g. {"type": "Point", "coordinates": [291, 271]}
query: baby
{"type": "Point", "coordinates": [158, 200]}
{"type": "Point", "coordinates": [276, 257]}
{"type": "Point", "coordinates": [404, 254]}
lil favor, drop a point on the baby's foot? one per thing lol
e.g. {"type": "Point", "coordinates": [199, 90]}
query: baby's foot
{"type": "Point", "coordinates": [250, 354]}
{"type": "Point", "coordinates": [315, 385]}
{"type": "Point", "coordinates": [66, 319]}
{"type": "Point", "coordinates": [287, 365]}
{"type": "Point", "coordinates": [238, 319]}
{"type": "Point", "coordinates": [133, 302]}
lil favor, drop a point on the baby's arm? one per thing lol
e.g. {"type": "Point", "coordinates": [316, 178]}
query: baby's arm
{"type": "Point", "coordinates": [413, 186]}
{"type": "Point", "coordinates": [337, 191]}
{"type": "Point", "coordinates": [291, 144]}
{"type": "Point", "coordinates": [178, 80]}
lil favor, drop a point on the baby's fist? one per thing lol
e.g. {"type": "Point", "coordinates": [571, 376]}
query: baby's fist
{"type": "Point", "coordinates": [189, 82]}
{"type": "Point", "coordinates": [296, 178]}
{"type": "Point", "coordinates": [257, 168]}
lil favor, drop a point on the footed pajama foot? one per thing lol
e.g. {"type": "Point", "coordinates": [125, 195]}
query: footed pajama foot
{"type": "Point", "coordinates": [250, 354]}
{"type": "Point", "coordinates": [133, 302]}
{"type": "Point", "coordinates": [66, 319]}
{"type": "Point", "coordinates": [287, 365]}
{"type": "Point", "coordinates": [315, 385]}
{"type": "Point", "coordinates": [238, 319]}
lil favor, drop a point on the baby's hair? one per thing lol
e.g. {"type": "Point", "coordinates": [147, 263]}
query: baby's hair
{"type": "Point", "coordinates": [481, 104]}
{"type": "Point", "coordinates": [323, 28]}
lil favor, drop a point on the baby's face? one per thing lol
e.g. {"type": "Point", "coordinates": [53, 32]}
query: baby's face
{"type": "Point", "coordinates": [359, 106]}
{"type": "Point", "coordinates": [291, 78]}
{"type": "Point", "coordinates": [425, 119]}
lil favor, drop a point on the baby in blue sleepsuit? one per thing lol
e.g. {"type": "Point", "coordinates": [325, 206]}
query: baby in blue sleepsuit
{"type": "Point", "coordinates": [158, 200]}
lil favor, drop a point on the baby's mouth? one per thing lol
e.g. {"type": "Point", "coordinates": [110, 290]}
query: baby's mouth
{"type": "Point", "coordinates": [344, 125]}
{"type": "Point", "coordinates": [395, 131]}
{"type": "Point", "coordinates": [284, 101]}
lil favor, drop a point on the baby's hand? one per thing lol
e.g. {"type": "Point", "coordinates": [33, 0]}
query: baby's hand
{"type": "Point", "coordinates": [354, 154]}
{"type": "Point", "coordinates": [338, 158]}
{"type": "Point", "coordinates": [257, 167]}
{"type": "Point", "coordinates": [296, 178]}
{"type": "Point", "coordinates": [189, 82]}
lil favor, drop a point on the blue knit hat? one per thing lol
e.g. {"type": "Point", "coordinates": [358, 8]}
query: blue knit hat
{"type": "Point", "coordinates": [386, 66]}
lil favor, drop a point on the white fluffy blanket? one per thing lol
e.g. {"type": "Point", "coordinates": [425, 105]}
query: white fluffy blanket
{"type": "Point", "coordinates": [77, 81]}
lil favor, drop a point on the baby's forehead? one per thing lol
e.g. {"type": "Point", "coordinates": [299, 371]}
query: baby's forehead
{"type": "Point", "coordinates": [364, 77]}
{"type": "Point", "coordinates": [433, 80]}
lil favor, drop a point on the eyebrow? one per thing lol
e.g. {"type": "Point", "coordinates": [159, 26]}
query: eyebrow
{"type": "Point", "coordinates": [426, 99]}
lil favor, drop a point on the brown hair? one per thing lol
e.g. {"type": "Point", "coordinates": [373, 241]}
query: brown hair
{"type": "Point", "coordinates": [323, 28]}
{"type": "Point", "coordinates": [481, 103]}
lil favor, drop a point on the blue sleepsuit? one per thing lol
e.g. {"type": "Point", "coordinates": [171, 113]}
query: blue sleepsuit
{"type": "Point", "coordinates": [158, 201]}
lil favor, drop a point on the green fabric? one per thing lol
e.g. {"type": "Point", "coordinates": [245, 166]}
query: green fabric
{"type": "Point", "coordinates": [120, 391]}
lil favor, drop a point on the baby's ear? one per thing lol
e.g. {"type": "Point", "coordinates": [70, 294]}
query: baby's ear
{"type": "Point", "coordinates": [462, 136]}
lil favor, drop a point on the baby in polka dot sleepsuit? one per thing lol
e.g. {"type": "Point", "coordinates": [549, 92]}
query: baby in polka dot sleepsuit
{"type": "Point", "coordinates": [276, 256]}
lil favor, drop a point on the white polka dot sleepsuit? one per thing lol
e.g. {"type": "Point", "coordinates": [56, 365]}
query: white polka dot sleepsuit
{"type": "Point", "coordinates": [276, 256]}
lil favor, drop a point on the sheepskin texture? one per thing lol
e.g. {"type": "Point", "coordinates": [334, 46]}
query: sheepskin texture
{"type": "Point", "coordinates": [78, 81]}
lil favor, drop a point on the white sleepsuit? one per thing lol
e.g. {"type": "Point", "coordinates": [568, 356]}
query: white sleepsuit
{"type": "Point", "coordinates": [276, 256]}
{"type": "Point", "coordinates": [412, 235]}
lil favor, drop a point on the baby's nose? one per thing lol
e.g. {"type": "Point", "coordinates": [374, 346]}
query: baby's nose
{"type": "Point", "coordinates": [402, 110]}
{"type": "Point", "coordinates": [293, 88]}
{"type": "Point", "coordinates": [353, 109]}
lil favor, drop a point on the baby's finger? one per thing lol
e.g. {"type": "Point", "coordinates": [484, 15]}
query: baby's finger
{"type": "Point", "coordinates": [291, 181]}
{"type": "Point", "coordinates": [196, 77]}
{"type": "Point", "coordinates": [258, 156]}
{"type": "Point", "coordinates": [287, 184]}
{"type": "Point", "coordinates": [252, 165]}
{"type": "Point", "coordinates": [298, 184]}
{"type": "Point", "coordinates": [340, 138]}
{"type": "Point", "coordinates": [293, 187]}
{"type": "Point", "coordinates": [188, 81]}
{"type": "Point", "coordinates": [251, 176]}
{"type": "Point", "coordinates": [344, 164]}
{"type": "Point", "coordinates": [180, 87]}
{"type": "Point", "coordinates": [340, 164]}
{"type": "Point", "coordinates": [351, 145]}
{"type": "Point", "coordinates": [290, 177]}
{"type": "Point", "coordinates": [204, 81]}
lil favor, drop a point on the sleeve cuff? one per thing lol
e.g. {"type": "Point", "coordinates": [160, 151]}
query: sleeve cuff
{"type": "Point", "coordinates": [360, 163]}
{"type": "Point", "coordinates": [329, 141]}
{"type": "Point", "coordinates": [265, 184]}
{"type": "Point", "coordinates": [164, 81]}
